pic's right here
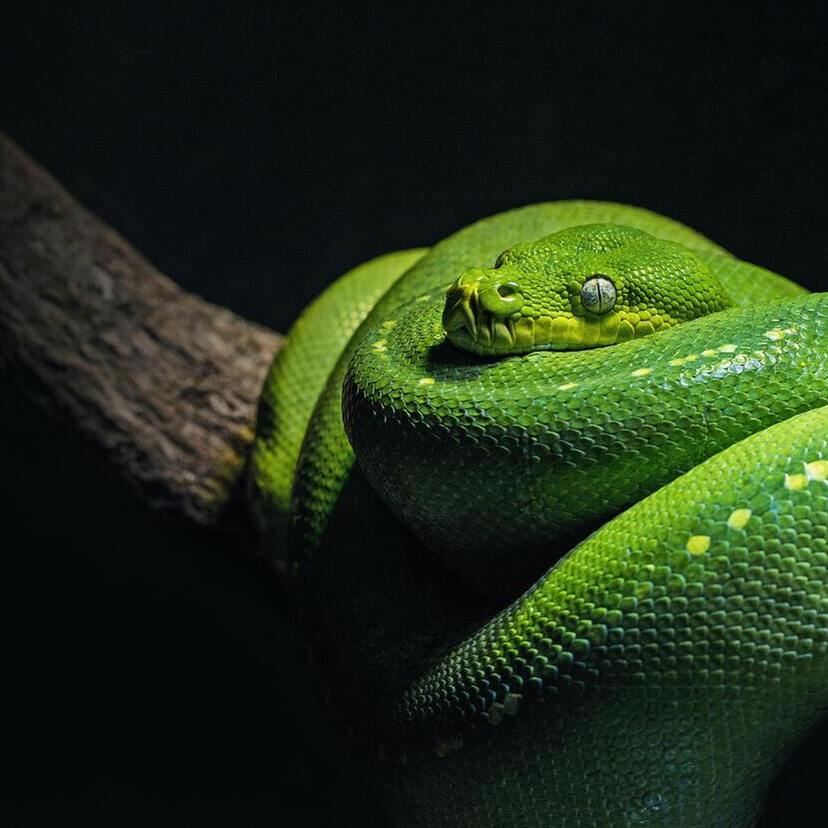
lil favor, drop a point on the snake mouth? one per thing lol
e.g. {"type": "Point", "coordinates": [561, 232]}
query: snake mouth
{"type": "Point", "coordinates": [462, 311]}
{"type": "Point", "coordinates": [484, 333]}
{"type": "Point", "coordinates": [471, 327]}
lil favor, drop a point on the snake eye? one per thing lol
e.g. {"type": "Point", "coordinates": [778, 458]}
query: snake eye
{"type": "Point", "coordinates": [507, 289]}
{"type": "Point", "coordinates": [598, 294]}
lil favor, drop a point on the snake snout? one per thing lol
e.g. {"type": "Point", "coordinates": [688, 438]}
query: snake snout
{"type": "Point", "coordinates": [500, 297]}
{"type": "Point", "coordinates": [462, 306]}
{"type": "Point", "coordinates": [476, 304]}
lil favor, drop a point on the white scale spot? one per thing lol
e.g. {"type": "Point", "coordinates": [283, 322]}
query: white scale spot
{"type": "Point", "coordinates": [511, 703]}
{"type": "Point", "coordinates": [817, 470]}
{"type": "Point", "coordinates": [642, 372]}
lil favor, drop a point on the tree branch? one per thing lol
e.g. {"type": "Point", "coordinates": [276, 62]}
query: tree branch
{"type": "Point", "coordinates": [162, 384]}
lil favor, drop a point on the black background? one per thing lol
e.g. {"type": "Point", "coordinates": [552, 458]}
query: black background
{"type": "Point", "coordinates": [152, 676]}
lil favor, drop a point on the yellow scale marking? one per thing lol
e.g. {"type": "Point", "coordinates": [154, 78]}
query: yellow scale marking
{"type": "Point", "coordinates": [814, 470]}
{"type": "Point", "coordinates": [738, 518]}
{"type": "Point", "coordinates": [796, 482]}
{"type": "Point", "coordinates": [698, 544]}
{"type": "Point", "coordinates": [679, 361]}
{"type": "Point", "coordinates": [817, 470]}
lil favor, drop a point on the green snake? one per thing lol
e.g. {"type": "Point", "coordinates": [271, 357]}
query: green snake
{"type": "Point", "coordinates": [553, 500]}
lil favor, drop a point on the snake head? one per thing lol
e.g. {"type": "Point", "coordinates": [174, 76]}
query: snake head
{"type": "Point", "coordinates": [582, 287]}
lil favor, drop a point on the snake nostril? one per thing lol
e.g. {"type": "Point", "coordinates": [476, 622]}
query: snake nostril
{"type": "Point", "coordinates": [501, 298]}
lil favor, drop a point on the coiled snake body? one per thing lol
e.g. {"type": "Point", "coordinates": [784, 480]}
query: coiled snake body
{"type": "Point", "coordinates": [588, 387]}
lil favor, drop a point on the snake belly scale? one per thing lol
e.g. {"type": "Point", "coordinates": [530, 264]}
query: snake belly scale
{"type": "Point", "coordinates": [561, 547]}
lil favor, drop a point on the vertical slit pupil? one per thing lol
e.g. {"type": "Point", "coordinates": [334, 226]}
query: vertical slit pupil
{"type": "Point", "coordinates": [598, 294]}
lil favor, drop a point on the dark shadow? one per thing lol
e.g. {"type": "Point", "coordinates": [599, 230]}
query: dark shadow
{"type": "Point", "coordinates": [152, 674]}
{"type": "Point", "coordinates": [375, 597]}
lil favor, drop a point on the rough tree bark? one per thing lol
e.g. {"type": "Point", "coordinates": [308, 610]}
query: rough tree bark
{"type": "Point", "coordinates": [159, 382]}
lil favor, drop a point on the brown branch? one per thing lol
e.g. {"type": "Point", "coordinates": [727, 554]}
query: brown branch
{"type": "Point", "coordinates": [161, 383]}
